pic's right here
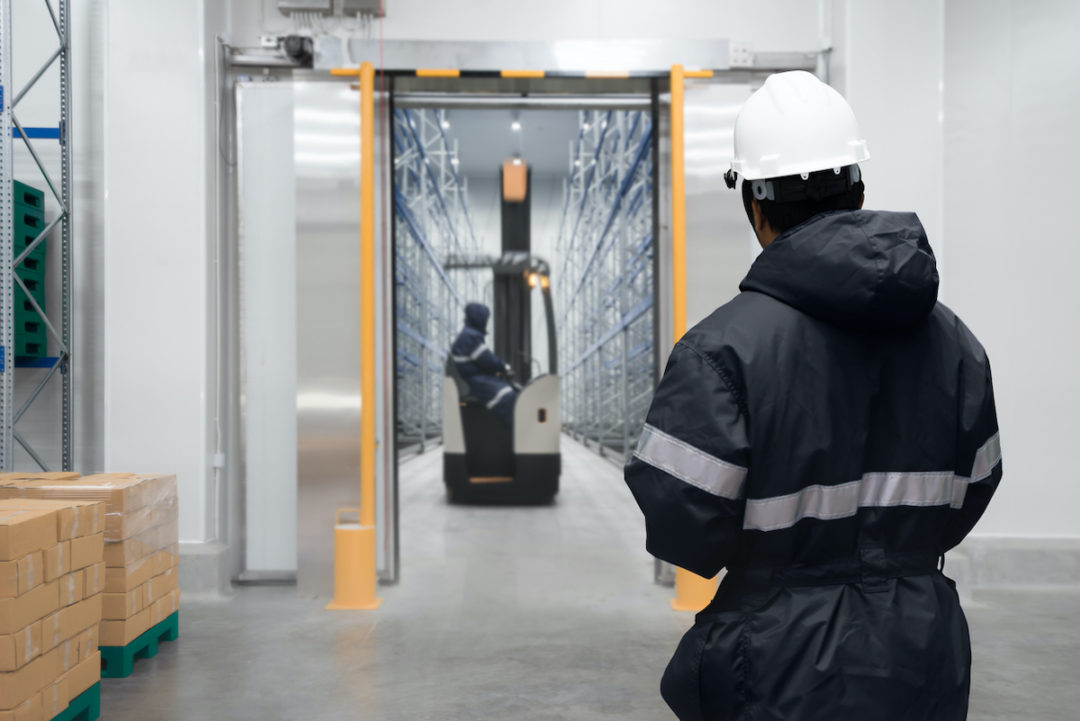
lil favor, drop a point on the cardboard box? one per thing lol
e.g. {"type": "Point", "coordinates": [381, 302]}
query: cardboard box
{"type": "Point", "coordinates": [31, 571]}
{"type": "Point", "coordinates": [160, 585]}
{"type": "Point", "coordinates": [165, 607]}
{"type": "Point", "coordinates": [29, 710]}
{"type": "Point", "coordinates": [20, 648]}
{"type": "Point", "coordinates": [23, 531]}
{"type": "Point", "coordinates": [86, 642]}
{"type": "Point", "coordinates": [71, 588]}
{"type": "Point", "coordinates": [20, 576]}
{"type": "Point", "coordinates": [121, 633]}
{"type": "Point", "coordinates": [55, 698]}
{"type": "Point", "coordinates": [85, 675]}
{"type": "Point", "coordinates": [87, 551]}
{"type": "Point", "coordinates": [120, 606]}
{"type": "Point", "coordinates": [9, 579]}
{"type": "Point", "coordinates": [83, 615]}
{"type": "Point", "coordinates": [51, 633]}
{"type": "Point", "coordinates": [77, 649]}
{"type": "Point", "coordinates": [91, 518]}
{"type": "Point", "coordinates": [75, 518]}
{"type": "Point", "coordinates": [118, 580]}
{"type": "Point", "coordinates": [94, 579]}
{"type": "Point", "coordinates": [19, 612]}
{"type": "Point", "coordinates": [18, 686]}
{"type": "Point", "coordinates": [121, 526]}
{"type": "Point", "coordinates": [65, 513]}
{"type": "Point", "coordinates": [57, 560]}
{"type": "Point", "coordinates": [119, 494]}
{"type": "Point", "coordinates": [70, 622]}
{"type": "Point", "coordinates": [121, 553]}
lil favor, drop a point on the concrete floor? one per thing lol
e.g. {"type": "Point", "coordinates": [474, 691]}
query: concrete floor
{"type": "Point", "coordinates": [517, 615]}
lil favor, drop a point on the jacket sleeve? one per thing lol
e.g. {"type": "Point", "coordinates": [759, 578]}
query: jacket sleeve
{"type": "Point", "coordinates": [689, 470]}
{"type": "Point", "coordinates": [979, 467]}
{"type": "Point", "coordinates": [488, 362]}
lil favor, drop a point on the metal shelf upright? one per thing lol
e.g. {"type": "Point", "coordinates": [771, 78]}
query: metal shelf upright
{"type": "Point", "coordinates": [606, 284]}
{"type": "Point", "coordinates": [57, 368]}
{"type": "Point", "coordinates": [433, 225]}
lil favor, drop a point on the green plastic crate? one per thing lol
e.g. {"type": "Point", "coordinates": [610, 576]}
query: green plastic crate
{"type": "Point", "coordinates": [29, 196]}
{"type": "Point", "coordinates": [23, 303]}
{"type": "Point", "coordinates": [28, 219]}
{"type": "Point", "coordinates": [33, 263]}
{"type": "Point", "coordinates": [33, 277]}
{"type": "Point", "coordinates": [34, 347]}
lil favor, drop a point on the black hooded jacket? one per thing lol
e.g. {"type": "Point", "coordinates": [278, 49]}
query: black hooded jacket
{"type": "Point", "coordinates": [825, 437]}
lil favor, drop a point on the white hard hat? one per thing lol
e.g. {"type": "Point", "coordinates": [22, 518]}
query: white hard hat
{"type": "Point", "coordinates": [795, 125]}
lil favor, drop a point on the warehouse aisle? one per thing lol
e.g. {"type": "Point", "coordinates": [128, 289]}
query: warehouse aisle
{"type": "Point", "coordinates": [514, 615]}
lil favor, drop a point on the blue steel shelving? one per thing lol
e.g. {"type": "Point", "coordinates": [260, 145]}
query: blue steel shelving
{"type": "Point", "coordinates": [24, 381]}
{"type": "Point", "coordinates": [605, 267]}
{"type": "Point", "coordinates": [432, 225]}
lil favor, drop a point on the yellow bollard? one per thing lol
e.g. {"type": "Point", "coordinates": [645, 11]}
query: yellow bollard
{"type": "Point", "coordinates": [354, 565]}
{"type": "Point", "coordinates": [692, 592]}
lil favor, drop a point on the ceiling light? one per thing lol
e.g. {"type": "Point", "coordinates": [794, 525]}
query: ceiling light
{"type": "Point", "coordinates": [515, 126]}
{"type": "Point", "coordinates": [586, 126]}
{"type": "Point", "coordinates": [445, 124]}
{"type": "Point", "coordinates": [577, 163]}
{"type": "Point", "coordinates": [454, 161]}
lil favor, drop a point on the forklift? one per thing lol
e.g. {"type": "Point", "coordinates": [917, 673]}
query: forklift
{"type": "Point", "coordinates": [484, 461]}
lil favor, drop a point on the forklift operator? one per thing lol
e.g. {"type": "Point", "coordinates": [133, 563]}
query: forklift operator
{"type": "Point", "coordinates": [487, 375]}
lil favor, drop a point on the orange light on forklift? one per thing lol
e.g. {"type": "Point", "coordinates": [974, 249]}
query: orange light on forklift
{"type": "Point", "coordinates": [533, 280]}
{"type": "Point", "coordinates": [545, 282]}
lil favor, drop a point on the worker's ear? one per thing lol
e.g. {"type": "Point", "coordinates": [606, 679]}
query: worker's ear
{"type": "Point", "coordinates": [862, 199]}
{"type": "Point", "coordinates": [759, 218]}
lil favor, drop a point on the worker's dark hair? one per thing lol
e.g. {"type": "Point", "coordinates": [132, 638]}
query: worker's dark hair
{"type": "Point", "coordinates": [785, 215]}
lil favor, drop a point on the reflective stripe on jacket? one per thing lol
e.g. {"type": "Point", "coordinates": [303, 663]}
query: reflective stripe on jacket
{"type": "Point", "coordinates": [477, 364]}
{"type": "Point", "coordinates": [825, 436]}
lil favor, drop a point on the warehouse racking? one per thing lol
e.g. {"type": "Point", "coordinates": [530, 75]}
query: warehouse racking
{"type": "Point", "coordinates": [45, 369]}
{"type": "Point", "coordinates": [432, 225]}
{"type": "Point", "coordinates": [606, 272]}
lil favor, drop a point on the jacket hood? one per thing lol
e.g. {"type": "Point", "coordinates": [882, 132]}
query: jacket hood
{"type": "Point", "coordinates": [476, 316]}
{"type": "Point", "coordinates": [862, 270]}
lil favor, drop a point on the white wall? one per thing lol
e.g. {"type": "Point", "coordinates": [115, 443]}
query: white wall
{"type": "Point", "coordinates": [157, 219]}
{"type": "Point", "coordinates": [1011, 151]}
{"type": "Point", "coordinates": [888, 61]}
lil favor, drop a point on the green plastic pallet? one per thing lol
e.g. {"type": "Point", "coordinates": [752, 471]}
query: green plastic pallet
{"type": "Point", "coordinates": [119, 661]}
{"type": "Point", "coordinates": [84, 707]}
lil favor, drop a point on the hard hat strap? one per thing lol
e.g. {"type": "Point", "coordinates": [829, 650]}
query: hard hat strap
{"type": "Point", "coordinates": [808, 186]}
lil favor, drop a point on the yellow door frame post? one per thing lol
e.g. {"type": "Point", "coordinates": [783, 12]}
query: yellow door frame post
{"type": "Point", "coordinates": [692, 592]}
{"type": "Point", "coordinates": [354, 544]}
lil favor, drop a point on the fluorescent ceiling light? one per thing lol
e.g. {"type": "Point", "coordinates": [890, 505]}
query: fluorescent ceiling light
{"type": "Point", "coordinates": [515, 126]}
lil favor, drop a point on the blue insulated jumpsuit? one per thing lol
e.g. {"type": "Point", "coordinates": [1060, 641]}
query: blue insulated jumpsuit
{"type": "Point", "coordinates": [478, 365]}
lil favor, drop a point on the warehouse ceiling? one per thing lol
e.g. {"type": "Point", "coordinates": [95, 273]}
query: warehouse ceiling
{"type": "Point", "coordinates": [487, 137]}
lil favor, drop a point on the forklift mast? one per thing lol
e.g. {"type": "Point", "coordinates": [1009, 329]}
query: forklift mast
{"type": "Point", "coordinates": [512, 310]}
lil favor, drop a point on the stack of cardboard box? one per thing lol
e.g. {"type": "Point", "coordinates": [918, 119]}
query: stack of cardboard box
{"type": "Point", "coordinates": [140, 549]}
{"type": "Point", "coordinates": [52, 574]}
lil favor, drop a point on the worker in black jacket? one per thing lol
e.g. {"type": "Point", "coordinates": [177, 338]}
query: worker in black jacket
{"type": "Point", "coordinates": [825, 437]}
